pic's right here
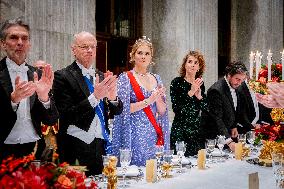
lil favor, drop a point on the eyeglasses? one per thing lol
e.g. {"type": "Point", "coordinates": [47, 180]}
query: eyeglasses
{"type": "Point", "coordinates": [87, 47]}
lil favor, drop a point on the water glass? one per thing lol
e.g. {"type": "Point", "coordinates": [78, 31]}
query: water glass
{"type": "Point", "coordinates": [250, 136]}
{"type": "Point", "coordinates": [125, 159]}
{"type": "Point", "coordinates": [242, 138]}
{"type": "Point", "coordinates": [180, 148]}
{"type": "Point", "coordinates": [221, 141]}
{"type": "Point", "coordinates": [105, 163]}
{"type": "Point", "coordinates": [276, 165]}
{"type": "Point", "coordinates": [210, 146]}
{"type": "Point", "coordinates": [167, 163]}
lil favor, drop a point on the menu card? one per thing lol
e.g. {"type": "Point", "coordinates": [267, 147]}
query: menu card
{"type": "Point", "coordinates": [151, 170]}
{"type": "Point", "coordinates": [253, 181]}
{"type": "Point", "coordinates": [201, 159]}
{"type": "Point", "coordinates": [238, 151]}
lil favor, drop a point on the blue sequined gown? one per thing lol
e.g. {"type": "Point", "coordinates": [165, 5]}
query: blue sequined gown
{"type": "Point", "coordinates": [134, 130]}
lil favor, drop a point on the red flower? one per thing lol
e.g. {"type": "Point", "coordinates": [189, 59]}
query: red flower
{"type": "Point", "coordinates": [20, 173]}
{"type": "Point", "coordinates": [263, 73]}
{"type": "Point", "coordinates": [279, 67]}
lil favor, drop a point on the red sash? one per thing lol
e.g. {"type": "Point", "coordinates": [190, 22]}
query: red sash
{"type": "Point", "coordinates": [147, 110]}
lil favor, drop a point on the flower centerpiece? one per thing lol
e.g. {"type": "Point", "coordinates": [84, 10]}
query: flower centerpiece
{"type": "Point", "coordinates": [23, 173]}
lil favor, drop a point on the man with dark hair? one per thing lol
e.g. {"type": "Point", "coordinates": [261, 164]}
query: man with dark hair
{"type": "Point", "coordinates": [25, 101]}
{"type": "Point", "coordinates": [224, 104]}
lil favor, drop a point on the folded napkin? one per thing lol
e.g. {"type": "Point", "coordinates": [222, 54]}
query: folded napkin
{"type": "Point", "coordinates": [132, 171]}
{"type": "Point", "coordinates": [216, 153]}
{"type": "Point", "coordinates": [184, 160]}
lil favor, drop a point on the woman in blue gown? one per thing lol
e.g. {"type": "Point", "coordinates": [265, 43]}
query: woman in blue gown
{"type": "Point", "coordinates": [133, 129]}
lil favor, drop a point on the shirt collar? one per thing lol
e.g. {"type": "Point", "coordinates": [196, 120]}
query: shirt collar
{"type": "Point", "coordinates": [231, 88]}
{"type": "Point", "coordinates": [11, 65]}
{"type": "Point", "coordinates": [85, 71]}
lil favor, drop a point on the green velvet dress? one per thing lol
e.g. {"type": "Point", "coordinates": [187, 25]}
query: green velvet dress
{"type": "Point", "coordinates": [186, 124]}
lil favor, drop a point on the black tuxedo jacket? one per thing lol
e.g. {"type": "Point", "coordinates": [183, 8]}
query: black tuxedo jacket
{"type": "Point", "coordinates": [71, 96]}
{"type": "Point", "coordinates": [222, 116]}
{"type": "Point", "coordinates": [8, 117]}
{"type": "Point", "coordinates": [248, 110]}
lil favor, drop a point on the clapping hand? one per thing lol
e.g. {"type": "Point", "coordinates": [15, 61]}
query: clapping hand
{"type": "Point", "coordinates": [23, 89]}
{"type": "Point", "coordinates": [267, 100]}
{"type": "Point", "coordinates": [195, 88]}
{"type": "Point", "coordinates": [157, 94]}
{"type": "Point", "coordinates": [44, 85]}
{"type": "Point", "coordinates": [106, 88]}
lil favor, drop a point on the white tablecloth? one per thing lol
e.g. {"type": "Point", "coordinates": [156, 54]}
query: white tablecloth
{"type": "Point", "coordinates": [232, 174]}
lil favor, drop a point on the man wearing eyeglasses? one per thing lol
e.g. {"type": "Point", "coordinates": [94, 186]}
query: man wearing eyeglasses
{"type": "Point", "coordinates": [224, 114]}
{"type": "Point", "coordinates": [85, 98]}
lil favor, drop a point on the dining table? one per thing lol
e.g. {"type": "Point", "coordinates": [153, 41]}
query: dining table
{"type": "Point", "coordinates": [231, 174]}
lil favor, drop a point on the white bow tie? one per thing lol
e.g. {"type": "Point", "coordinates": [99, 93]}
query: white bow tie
{"type": "Point", "coordinates": [19, 69]}
{"type": "Point", "coordinates": [89, 72]}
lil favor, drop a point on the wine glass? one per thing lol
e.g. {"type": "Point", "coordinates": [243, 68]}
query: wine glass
{"type": "Point", "coordinates": [276, 165]}
{"type": "Point", "coordinates": [105, 163]}
{"type": "Point", "coordinates": [167, 163]}
{"type": "Point", "coordinates": [210, 146]}
{"type": "Point", "coordinates": [250, 135]}
{"type": "Point", "coordinates": [180, 148]}
{"type": "Point", "coordinates": [242, 138]}
{"type": "Point", "coordinates": [125, 159]}
{"type": "Point", "coordinates": [220, 143]}
{"type": "Point", "coordinates": [159, 151]}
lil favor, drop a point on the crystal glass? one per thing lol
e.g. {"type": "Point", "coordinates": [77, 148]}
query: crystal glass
{"type": "Point", "coordinates": [250, 136]}
{"type": "Point", "coordinates": [242, 138]}
{"type": "Point", "coordinates": [159, 151]}
{"type": "Point", "coordinates": [210, 146]}
{"type": "Point", "coordinates": [125, 159]}
{"type": "Point", "coordinates": [221, 141]}
{"type": "Point", "coordinates": [180, 148]}
{"type": "Point", "coordinates": [167, 163]}
{"type": "Point", "coordinates": [105, 163]}
{"type": "Point", "coordinates": [277, 159]}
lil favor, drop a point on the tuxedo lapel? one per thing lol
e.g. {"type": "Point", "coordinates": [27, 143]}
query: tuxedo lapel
{"type": "Point", "coordinates": [227, 92]}
{"type": "Point", "coordinates": [5, 79]}
{"type": "Point", "coordinates": [77, 74]}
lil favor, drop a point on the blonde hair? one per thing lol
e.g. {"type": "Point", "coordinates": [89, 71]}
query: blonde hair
{"type": "Point", "coordinates": [137, 44]}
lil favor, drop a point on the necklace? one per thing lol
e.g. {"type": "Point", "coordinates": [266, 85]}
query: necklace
{"type": "Point", "coordinates": [143, 75]}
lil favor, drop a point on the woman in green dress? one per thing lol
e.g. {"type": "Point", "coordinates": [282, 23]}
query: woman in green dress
{"type": "Point", "coordinates": [188, 100]}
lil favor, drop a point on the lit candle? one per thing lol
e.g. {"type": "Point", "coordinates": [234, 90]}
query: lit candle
{"type": "Point", "coordinates": [251, 59]}
{"type": "Point", "coordinates": [269, 63]}
{"type": "Point", "coordinates": [257, 64]}
{"type": "Point", "coordinates": [282, 62]}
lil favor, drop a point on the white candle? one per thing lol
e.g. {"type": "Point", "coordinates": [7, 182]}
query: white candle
{"type": "Point", "coordinates": [282, 62]}
{"type": "Point", "coordinates": [269, 63]}
{"type": "Point", "coordinates": [257, 64]}
{"type": "Point", "coordinates": [251, 59]}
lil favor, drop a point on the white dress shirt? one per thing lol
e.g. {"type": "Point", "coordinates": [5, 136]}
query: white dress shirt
{"type": "Point", "coordinates": [23, 130]}
{"type": "Point", "coordinates": [233, 93]}
{"type": "Point", "coordinates": [95, 130]}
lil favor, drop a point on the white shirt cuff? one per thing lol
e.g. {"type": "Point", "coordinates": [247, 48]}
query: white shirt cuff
{"type": "Point", "coordinates": [93, 101]}
{"type": "Point", "coordinates": [45, 104]}
{"type": "Point", "coordinates": [228, 140]}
